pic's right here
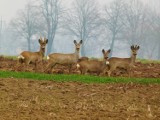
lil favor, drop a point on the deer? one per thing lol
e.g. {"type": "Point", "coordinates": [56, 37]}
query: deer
{"type": "Point", "coordinates": [64, 59]}
{"type": "Point", "coordinates": [28, 57]}
{"type": "Point", "coordinates": [83, 58]}
{"type": "Point", "coordinates": [94, 65]}
{"type": "Point", "coordinates": [125, 63]}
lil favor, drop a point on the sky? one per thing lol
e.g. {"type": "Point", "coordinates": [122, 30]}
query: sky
{"type": "Point", "coordinates": [9, 8]}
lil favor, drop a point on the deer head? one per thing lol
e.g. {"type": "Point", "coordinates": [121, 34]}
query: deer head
{"type": "Point", "coordinates": [77, 45]}
{"type": "Point", "coordinates": [134, 49]}
{"type": "Point", "coordinates": [106, 53]}
{"type": "Point", "coordinates": [43, 43]}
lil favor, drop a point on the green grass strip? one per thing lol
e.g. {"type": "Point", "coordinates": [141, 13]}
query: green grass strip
{"type": "Point", "coordinates": [75, 77]}
{"type": "Point", "coordinates": [145, 61]}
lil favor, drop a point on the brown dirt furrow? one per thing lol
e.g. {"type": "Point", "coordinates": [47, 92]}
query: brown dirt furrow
{"type": "Point", "coordinates": [22, 99]}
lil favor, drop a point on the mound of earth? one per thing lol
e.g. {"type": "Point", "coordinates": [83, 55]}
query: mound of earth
{"type": "Point", "coordinates": [151, 70]}
{"type": "Point", "coordinates": [22, 99]}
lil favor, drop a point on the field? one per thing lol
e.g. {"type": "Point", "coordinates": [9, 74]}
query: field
{"type": "Point", "coordinates": [26, 95]}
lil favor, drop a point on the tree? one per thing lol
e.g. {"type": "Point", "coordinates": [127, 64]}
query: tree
{"type": "Point", "coordinates": [83, 21]}
{"type": "Point", "coordinates": [113, 20]}
{"type": "Point", "coordinates": [51, 10]}
{"type": "Point", "coordinates": [135, 21]}
{"type": "Point", "coordinates": [1, 28]}
{"type": "Point", "coordinates": [26, 24]}
{"type": "Point", "coordinates": [154, 20]}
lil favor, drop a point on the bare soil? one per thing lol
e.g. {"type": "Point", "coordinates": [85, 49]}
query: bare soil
{"type": "Point", "coordinates": [151, 70]}
{"type": "Point", "coordinates": [22, 99]}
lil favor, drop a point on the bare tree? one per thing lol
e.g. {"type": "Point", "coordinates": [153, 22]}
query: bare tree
{"type": "Point", "coordinates": [113, 20]}
{"type": "Point", "coordinates": [1, 26]}
{"type": "Point", "coordinates": [83, 21]}
{"type": "Point", "coordinates": [154, 20]}
{"type": "Point", "coordinates": [135, 21]}
{"type": "Point", "coordinates": [26, 24]}
{"type": "Point", "coordinates": [141, 28]}
{"type": "Point", "coordinates": [51, 10]}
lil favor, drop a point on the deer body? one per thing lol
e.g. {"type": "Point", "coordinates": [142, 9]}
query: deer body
{"type": "Point", "coordinates": [83, 58]}
{"type": "Point", "coordinates": [91, 66]}
{"type": "Point", "coordinates": [64, 59]}
{"type": "Point", "coordinates": [28, 57]}
{"type": "Point", "coordinates": [125, 63]}
{"type": "Point", "coordinates": [31, 57]}
{"type": "Point", "coordinates": [94, 65]}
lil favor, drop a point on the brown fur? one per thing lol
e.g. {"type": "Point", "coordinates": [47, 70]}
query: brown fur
{"type": "Point", "coordinates": [64, 59]}
{"type": "Point", "coordinates": [28, 57]}
{"type": "Point", "coordinates": [94, 65]}
{"type": "Point", "coordinates": [83, 59]}
{"type": "Point", "coordinates": [125, 63]}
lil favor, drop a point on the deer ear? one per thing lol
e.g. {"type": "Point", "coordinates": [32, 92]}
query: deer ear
{"type": "Point", "coordinates": [46, 40]}
{"type": "Point", "coordinates": [81, 42]}
{"type": "Point", "coordinates": [109, 50]}
{"type": "Point", "coordinates": [138, 47]}
{"type": "Point", "coordinates": [39, 40]}
{"type": "Point", "coordinates": [132, 47]}
{"type": "Point", "coordinates": [103, 51]}
{"type": "Point", "coordinates": [75, 42]}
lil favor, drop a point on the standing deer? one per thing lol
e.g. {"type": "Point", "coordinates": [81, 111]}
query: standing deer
{"type": "Point", "coordinates": [83, 58]}
{"type": "Point", "coordinates": [64, 59]}
{"type": "Point", "coordinates": [125, 63]}
{"type": "Point", "coordinates": [94, 65]}
{"type": "Point", "coordinates": [28, 57]}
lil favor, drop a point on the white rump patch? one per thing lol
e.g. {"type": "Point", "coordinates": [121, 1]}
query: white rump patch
{"type": "Point", "coordinates": [20, 57]}
{"type": "Point", "coordinates": [107, 62]}
{"type": "Point", "coordinates": [78, 66]}
{"type": "Point", "coordinates": [48, 57]}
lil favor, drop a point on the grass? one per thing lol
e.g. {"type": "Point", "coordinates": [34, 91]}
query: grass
{"type": "Point", "coordinates": [75, 77]}
{"type": "Point", "coordinates": [145, 61]}
{"type": "Point", "coordinates": [10, 57]}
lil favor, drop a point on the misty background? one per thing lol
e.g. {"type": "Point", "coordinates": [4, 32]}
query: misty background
{"type": "Point", "coordinates": [101, 24]}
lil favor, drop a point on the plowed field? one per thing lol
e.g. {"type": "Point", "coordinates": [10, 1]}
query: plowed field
{"type": "Point", "coordinates": [23, 99]}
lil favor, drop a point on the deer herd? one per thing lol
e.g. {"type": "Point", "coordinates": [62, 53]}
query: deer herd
{"type": "Point", "coordinates": [83, 64]}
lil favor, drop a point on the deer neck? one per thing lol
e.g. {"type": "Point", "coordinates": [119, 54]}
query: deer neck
{"type": "Point", "coordinates": [76, 54]}
{"type": "Point", "coordinates": [42, 51]}
{"type": "Point", "coordinates": [133, 58]}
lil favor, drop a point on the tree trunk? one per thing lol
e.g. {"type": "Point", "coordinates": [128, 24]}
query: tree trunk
{"type": "Point", "coordinates": [82, 50]}
{"type": "Point", "coordinates": [112, 45]}
{"type": "Point", "coordinates": [50, 43]}
{"type": "Point", "coordinates": [29, 44]}
{"type": "Point", "coordinates": [159, 51]}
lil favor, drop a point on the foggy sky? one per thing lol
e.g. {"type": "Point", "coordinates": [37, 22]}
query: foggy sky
{"type": "Point", "coordinates": [9, 8]}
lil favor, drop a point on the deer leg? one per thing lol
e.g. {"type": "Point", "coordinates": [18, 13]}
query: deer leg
{"type": "Point", "coordinates": [48, 67]}
{"type": "Point", "coordinates": [83, 71]}
{"type": "Point", "coordinates": [129, 70]}
{"type": "Point", "coordinates": [27, 63]}
{"type": "Point", "coordinates": [111, 70]}
{"type": "Point", "coordinates": [104, 71]}
{"type": "Point", "coordinates": [109, 73]}
{"type": "Point", "coordinates": [98, 73]}
{"type": "Point", "coordinates": [19, 62]}
{"type": "Point", "coordinates": [36, 63]}
{"type": "Point", "coordinates": [70, 66]}
{"type": "Point", "coordinates": [80, 71]}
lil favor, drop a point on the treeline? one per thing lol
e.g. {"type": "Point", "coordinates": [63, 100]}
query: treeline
{"type": "Point", "coordinates": [116, 25]}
